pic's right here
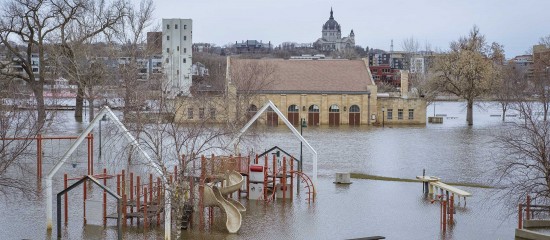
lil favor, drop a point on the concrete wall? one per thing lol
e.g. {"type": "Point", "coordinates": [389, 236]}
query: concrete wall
{"type": "Point", "coordinates": [418, 106]}
{"type": "Point", "coordinates": [524, 234]}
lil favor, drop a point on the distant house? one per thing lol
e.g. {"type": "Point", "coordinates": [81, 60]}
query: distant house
{"type": "Point", "coordinates": [253, 46]}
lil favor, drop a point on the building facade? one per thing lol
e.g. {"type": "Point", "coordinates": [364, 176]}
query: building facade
{"type": "Point", "coordinates": [331, 37]}
{"type": "Point", "coordinates": [177, 55]}
{"type": "Point", "coordinates": [252, 46]}
{"type": "Point", "coordinates": [322, 92]}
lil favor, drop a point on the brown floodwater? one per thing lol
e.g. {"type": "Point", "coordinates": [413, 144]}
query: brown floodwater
{"type": "Point", "coordinates": [396, 210]}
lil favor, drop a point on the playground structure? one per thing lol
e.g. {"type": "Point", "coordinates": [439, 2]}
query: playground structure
{"type": "Point", "coordinates": [215, 187]}
{"type": "Point", "coordinates": [210, 182]}
{"type": "Point", "coordinates": [447, 194]}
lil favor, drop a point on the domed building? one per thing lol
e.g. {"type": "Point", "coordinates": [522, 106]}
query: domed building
{"type": "Point", "coordinates": [331, 38]}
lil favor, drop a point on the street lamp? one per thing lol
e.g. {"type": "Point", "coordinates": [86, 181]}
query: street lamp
{"type": "Point", "coordinates": [383, 110]}
{"type": "Point", "coordinates": [104, 118]}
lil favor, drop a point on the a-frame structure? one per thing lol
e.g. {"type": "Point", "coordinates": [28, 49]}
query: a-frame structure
{"type": "Point", "coordinates": [93, 180]}
{"type": "Point", "coordinates": [288, 124]}
{"type": "Point", "coordinates": [106, 112]}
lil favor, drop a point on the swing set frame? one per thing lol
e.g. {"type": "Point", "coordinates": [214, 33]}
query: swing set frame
{"type": "Point", "coordinates": [39, 147]}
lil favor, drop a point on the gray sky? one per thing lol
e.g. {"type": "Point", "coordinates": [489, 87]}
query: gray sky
{"type": "Point", "coordinates": [517, 24]}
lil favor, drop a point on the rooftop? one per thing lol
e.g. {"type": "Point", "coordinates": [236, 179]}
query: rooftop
{"type": "Point", "coordinates": [287, 76]}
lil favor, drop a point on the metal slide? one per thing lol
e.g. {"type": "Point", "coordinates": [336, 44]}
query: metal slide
{"type": "Point", "coordinates": [214, 196]}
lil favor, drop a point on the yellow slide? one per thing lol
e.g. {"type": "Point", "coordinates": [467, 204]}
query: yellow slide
{"type": "Point", "coordinates": [214, 196]}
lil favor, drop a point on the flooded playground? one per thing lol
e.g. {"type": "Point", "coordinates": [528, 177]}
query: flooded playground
{"type": "Point", "coordinates": [395, 210]}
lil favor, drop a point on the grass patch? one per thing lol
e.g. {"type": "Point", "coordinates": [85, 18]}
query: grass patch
{"type": "Point", "coordinates": [392, 179]}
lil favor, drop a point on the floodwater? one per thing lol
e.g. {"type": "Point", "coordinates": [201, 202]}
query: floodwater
{"type": "Point", "coordinates": [397, 210]}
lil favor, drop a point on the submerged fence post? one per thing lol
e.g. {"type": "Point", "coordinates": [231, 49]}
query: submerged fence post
{"type": "Point", "coordinates": [528, 208]}
{"type": "Point", "coordinates": [520, 217]}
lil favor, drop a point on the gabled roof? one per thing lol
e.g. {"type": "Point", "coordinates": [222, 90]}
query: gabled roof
{"type": "Point", "coordinates": [303, 76]}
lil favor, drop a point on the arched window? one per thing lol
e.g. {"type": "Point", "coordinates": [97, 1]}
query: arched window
{"type": "Point", "coordinates": [251, 111]}
{"type": "Point", "coordinates": [293, 108]}
{"type": "Point", "coordinates": [354, 109]}
{"type": "Point", "coordinates": [334, 108]}
{"type": "Point", "coordinates": [313, 108]}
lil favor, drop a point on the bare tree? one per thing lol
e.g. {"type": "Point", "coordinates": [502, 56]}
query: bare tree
{"type": "Point", "coordinates": [26, 26]}
{"type": "Point", "coordinates": [540, 87]}
{"type": "Point", "coordinates": [410, 45]}
{"type": "Point", "coordinates": [510, 87]}
{"type": "Point", "coordinates": [130, 34]}
{"type": "Point", "coordinates": [77, 53]}
{"type": "Point", "coordinates": [250, 78]}
{"type": "Point", "coordinates": [33, 28]}
{"type": "Point", "coordinates": [466, 70]}
{"type": "Point", "coordinates": [523, 165]}
{"type": "Point", "coordinates": [15, 123]}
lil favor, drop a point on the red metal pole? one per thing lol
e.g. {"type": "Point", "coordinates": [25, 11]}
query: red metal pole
{"type": "Point", "coordinates": [211, 216]}
{"type": "Point", "coordinates": [123, 209]}
{"type": "Point", "coordinates": [151, 188]}
{"type": "Point", "coordinates": [131, 194]}
{"type": "Point", "coordinates": [89, 161]}
{"type": "Point", "coordinates": [201, 193]}
{"type": "Point", "coordinates": [451, 209]}
{"type": "Point", "coordinates": [91, 153]}
{"type": "Point", "coordinates": [39, 156]}
{"type": "Point", "coordinates": [291, 178]}
{"type": "Point", "coordinates": [265, 177]}
{"type": "Point", "coordinates": [520, 217]}
{"type": "Point", "coordinates": [123, 182]}
{"type": "Point", "coordinates": [212, 163]}
{"type": "Point", "coordinates": [444, 215]}
{"type": "Point", "coordinates": [274, 172]}
{"type": "Point", "coordinates": [66, 201]}
{"type": "Point", "coordinates": [248, 178]}
{"type": "Point", "coordinates": [105, 197]}
{"type": "Point", "coordinates": [284, 179]}
{"type": "Point", "coordinates": [138, 196]}
{"type": "Point", "coordinates": [158, 200]}
{"type": "Point", "coordinates": [145, 208]}
{"type": "Point", "coordinates": [528, 208]}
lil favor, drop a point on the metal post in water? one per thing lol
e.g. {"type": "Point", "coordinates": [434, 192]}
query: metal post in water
{"type": "Point", "coordinates": [528, 208]}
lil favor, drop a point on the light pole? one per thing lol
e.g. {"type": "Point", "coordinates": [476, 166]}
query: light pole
{"type": "Point", "coordinates": [104, 118]}
{"type": "Point", "coordinates": [383, 110]}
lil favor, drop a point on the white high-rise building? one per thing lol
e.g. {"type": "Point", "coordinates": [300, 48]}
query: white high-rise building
{"type": "Point", "coordinates": [177, 55]}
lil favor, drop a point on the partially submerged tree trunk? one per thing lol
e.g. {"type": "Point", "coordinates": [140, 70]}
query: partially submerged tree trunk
{"type": "Point", "coordinates": [466, 71]}
{"type": "Point", "coordinates": [469, 112]}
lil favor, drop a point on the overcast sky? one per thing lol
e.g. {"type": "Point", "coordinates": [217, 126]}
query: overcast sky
{"type": "Point", "coordinates": [517, 24]}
